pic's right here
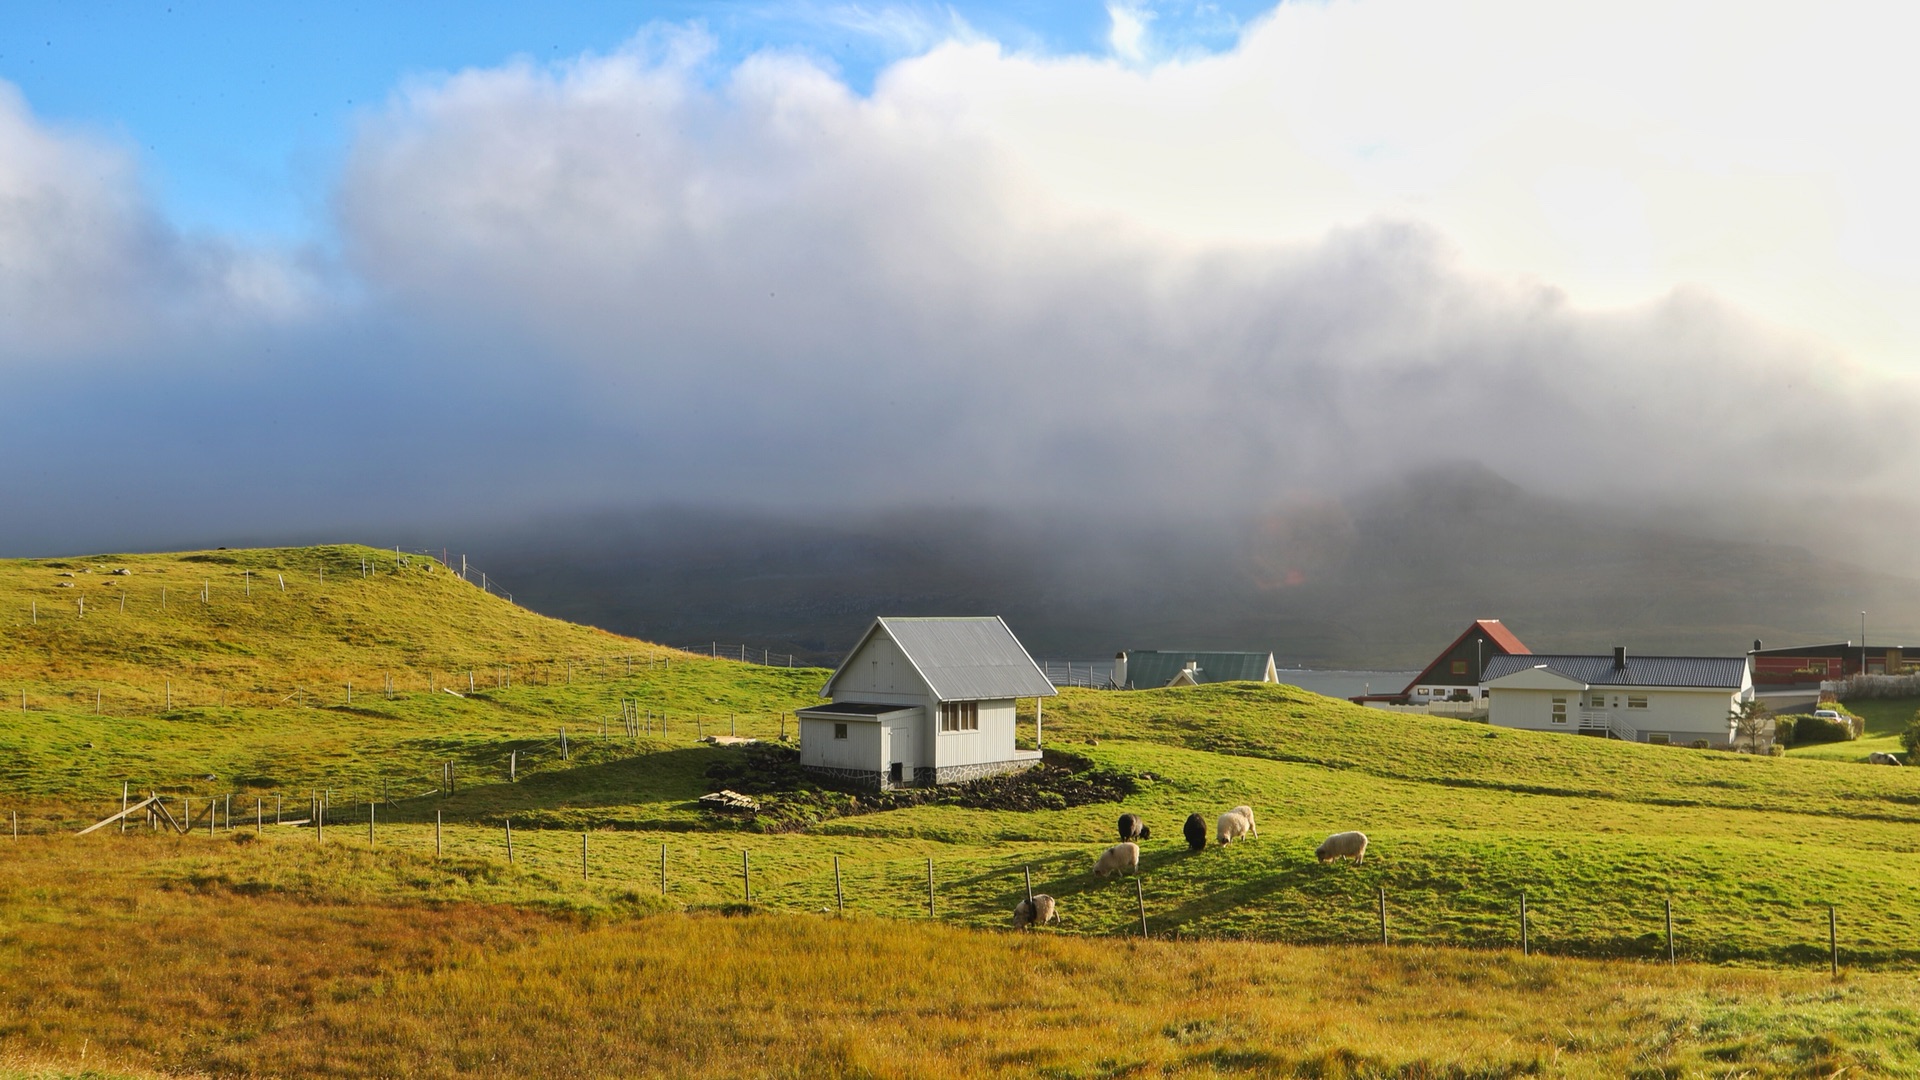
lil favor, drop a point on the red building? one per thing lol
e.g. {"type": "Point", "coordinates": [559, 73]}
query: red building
{"type": "Point", "coordinates": [1455, 674]}
{"type": "Point", "coordinates": [1806, 665]}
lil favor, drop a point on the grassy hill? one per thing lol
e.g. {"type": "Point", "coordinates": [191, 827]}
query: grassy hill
{"type": "Point", "coordinates": [294, 939]}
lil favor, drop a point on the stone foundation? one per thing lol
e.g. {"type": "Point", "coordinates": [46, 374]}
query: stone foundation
{"type": "Point", "coordinates": [874, 780]}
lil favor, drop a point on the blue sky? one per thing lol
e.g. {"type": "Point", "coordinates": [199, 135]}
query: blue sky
{"type": "Point", "coordinates": [240, 111]}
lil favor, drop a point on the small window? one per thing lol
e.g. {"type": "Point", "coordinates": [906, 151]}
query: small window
{"type": "Point", "coordinates": [1459, 667]}
{"type": "Point", "coordinates": [1559, 710]}
{"type": "Point", "coordinates": [959, 716]}
{"type": "Point", "coordinates": [1599, 701]}
{"type": "Point", "coordinates": [1659, 738]}
{"type": "Point", "coordinates": [1636, 701]}
{"type": "Point", "coordinates": [839, 731]}
{"type": "Point", "coordinates": [1422, 691]}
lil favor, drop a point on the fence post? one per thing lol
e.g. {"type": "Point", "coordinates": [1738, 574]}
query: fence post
{"type": "Point", "coordinates": [436, 834]}
{"type": "Point", "coordinates": [123, 806]}
{"type": "Point", "coordinates": [259, 814]}
{"type": "Point", "coordinates": [1140, 896]}
{"type": "Point", "coordinates": [839, 898]}
{"type": "Point", "coordinates": [663, 869]}
{"type": "Point", "coordinates": [929, 888]}
{"type": "Point", "coordinates": [319, 820]}
{"type": "Point", "coordinates": [1029, 870]}
{"type": "Point", "coordinates": [1833, 941]}
{"type": "Point", "coordinates": [1526, 946]}
{"type": "Point", "coordinates": [746, 883]}
{"type": "Point", "coordinates": [583, 856]}
{"type": "Point", "coordinates": [513, 766]}
{"type": "Point", "coordinates": [1381, 892]}
{"type": "Point", "coordinates": [509, 840]}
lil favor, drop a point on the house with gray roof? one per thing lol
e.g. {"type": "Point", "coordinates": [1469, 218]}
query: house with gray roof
{"type": "Point", "coordinates": [1677, 700]}
{"type": "Point", "coordinates": [922, 701]}
{"type": "Point", "coordinates": [1151, 669]}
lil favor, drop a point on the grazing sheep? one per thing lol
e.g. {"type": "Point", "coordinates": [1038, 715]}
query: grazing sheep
{"type": "Point", "coordinates": [1231, 827]}
{"type": "Point", "coordinates": [1247, 812]}
{"type": "Point", "coordinates": [1132, 828]}
{"type": "Point", "coordinates": [1196, 832]}
{"type": "Point", "coordinates": [1118, 859]}
{"type": "Point", "coordinates": [1343, 845]}
{"type": "Point", "coordinates": [1035, 912]}
{"type": "Point", "coordinates": [1878, 758]}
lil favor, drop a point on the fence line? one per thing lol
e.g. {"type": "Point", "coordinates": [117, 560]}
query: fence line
{"type": "Point", "coordinates": [743, 653]}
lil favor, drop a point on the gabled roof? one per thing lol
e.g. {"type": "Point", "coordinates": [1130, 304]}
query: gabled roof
{"type": "Point", "coordinates": [1496, 635]}
{"type": "Point", "coordinates": [1712, 672]}
{"type": "Point", "coordinates": [961, 659]}
{"type": "Point", "coordinates": [1150, 669]}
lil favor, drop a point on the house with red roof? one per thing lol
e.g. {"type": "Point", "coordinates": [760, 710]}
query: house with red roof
{"type": "Point", "coordinates": [1455, 675]}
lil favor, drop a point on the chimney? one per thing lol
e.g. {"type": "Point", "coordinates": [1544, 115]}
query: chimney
{"type": "Point", "coordinates": [1756, 644]}
{"type": "Point", "coordinates": [1619, 658]}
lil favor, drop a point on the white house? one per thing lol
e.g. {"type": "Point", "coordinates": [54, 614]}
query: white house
{"type": "Point", "coordinates": [1650, 699]}
{"type": "Point", "coordinates": [923, 701]}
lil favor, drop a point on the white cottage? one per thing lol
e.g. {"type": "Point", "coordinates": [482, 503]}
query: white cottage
{"type": "Point", "coordinates": [1652, 699]}
{"type": "Point", "coordinates": [923, 701]}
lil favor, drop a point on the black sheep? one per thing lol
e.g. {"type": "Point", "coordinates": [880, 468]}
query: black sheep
{"type": "Point", "coordinates": [1196, 832]}
{"type": "Point", "coordinates": [1132, 828]}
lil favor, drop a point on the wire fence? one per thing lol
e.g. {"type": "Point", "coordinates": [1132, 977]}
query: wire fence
{"type": "Point", "coordinates": [745, 654]}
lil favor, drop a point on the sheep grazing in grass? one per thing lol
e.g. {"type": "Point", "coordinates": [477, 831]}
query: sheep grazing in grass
{"type": "Point", "coordinates": [1232, 826]}
{"type": "Point", "coordinates": [1196, 832]}
{"type": "Point", "coordinates": [1879, 758]}
{"type": "Point", "coordinates": [1035, 912]}
{"type": "Point", "coordinates": [1118, 859]}
{"type": "Point", "coordinates": [1132, 828]}
{"type": "Point", "coordinates": [1343, 845]}
{"type": "Point", "coordinates": [1247, 812]}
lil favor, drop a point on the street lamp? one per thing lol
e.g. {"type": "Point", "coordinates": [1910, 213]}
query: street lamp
{"type": "Point", "coordinates": [1863, 643]}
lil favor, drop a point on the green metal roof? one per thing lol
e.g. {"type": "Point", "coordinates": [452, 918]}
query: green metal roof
{"type": "Point", "coordinates": [1148, 669]}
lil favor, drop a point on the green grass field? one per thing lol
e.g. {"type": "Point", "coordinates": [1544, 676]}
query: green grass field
{"type": "Point", "coordinates": [244, 698]}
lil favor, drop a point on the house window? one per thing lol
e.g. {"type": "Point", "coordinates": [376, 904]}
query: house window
{"type": "Point", "coordinates": [959, 716]}
{"type": "Point", "coordinates": [839, 731]}
{"type": "Point", "coordinates": [1599, 701]}
{"type": "Point", "coordinates": [1636, 701]}
{"type": "Point", "coordinates": [1559, 710]}
{"type": "Point", "coordinates": [1459, 667]}
{"type": "Point", "coordinates": [1659, 738]}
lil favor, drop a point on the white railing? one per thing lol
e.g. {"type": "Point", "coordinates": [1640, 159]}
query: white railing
{"type": "Point", "coordinates": [1625, 731]}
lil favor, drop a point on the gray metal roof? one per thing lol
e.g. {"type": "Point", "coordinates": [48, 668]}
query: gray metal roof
{"type": "Point", "coordinates": [1149, 669]}
{"type": "Point", "coordinates": [962, 659]}
{"type": "Point", "coordinates": [1718, 672]}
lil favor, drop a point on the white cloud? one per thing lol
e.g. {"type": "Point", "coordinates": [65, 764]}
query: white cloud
{"type": "Point", "coordinates": [1127, 33]}
{"type": "Point", "coordinates": [1373, 234]}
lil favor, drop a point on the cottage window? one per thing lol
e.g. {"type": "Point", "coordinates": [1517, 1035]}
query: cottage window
{"type": "Point", "coordinates": [1636, 701]}
{"type": "Point", "coordinates": [959, 716]}
{"type": "Point", "coordinates": [839, 731]}
{"type": "Point", "coordinates": [1599, 701]}
{"type": "Point", "coordinates": [1659, 738]}
{"type": "Point", "coordinates": [1559, 710]}
{"type": "Point", "coordinates": [1459, 667]}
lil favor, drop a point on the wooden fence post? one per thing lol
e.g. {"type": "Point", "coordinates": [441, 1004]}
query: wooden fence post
{"type": "Point", "coordinates": [259, 814]}
{"type": "Point", "coordinates": [369, 823]}
{"type": "Point", "coordinates": [839, 898]}
{"type": "Point", "coordinates": [663, 869]}
{"type": "Point", "coordinates": [509, 840]}
{"type": "Point", "coordinates": [1526, 947]}
{"type": "Point", "coordinates": [1670, 931]}
{"type": "Point", "coordinates": [436, 834]}
{"type": "Point", "coordinates": [1029, 870]}
{"type": "Point", "coordinates": [929, 888]}
{"type": "Point", "coordinates": [583, 856]}
{"type": "Point", "coordinates": [1833, 941]}
{"type": "Point", "coordinates": [1140, 896]}
{"type": "Point", "coordinates": [123, 806]}
{"type": "Point", "coordinates": [1381, 891]}
{"type": "Point", "coordinates": [746, 883]}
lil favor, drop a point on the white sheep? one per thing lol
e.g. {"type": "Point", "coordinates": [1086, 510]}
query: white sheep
{"type": "Point", "coordinates": [1118, 859]}
{"type": "Point", "coordinates": [1343, 845]}
{"type": "Point", "coordinates": [1247, 812]}
{"type": "Point", "coordinates": [1035, 912]}
{"type": "Point", "coordinates": [1232, 826]}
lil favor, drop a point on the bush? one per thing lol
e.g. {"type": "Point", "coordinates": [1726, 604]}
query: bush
{"type": "Point", "coordinates": [1783, 727]}
{"type": "Point", "coordinates": [1910, 738]}
{"type": "Point", "coordinates": [1818, 729]}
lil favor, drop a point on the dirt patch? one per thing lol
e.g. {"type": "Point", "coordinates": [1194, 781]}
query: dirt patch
{"type": "Point", "coordinates": [791, 799]}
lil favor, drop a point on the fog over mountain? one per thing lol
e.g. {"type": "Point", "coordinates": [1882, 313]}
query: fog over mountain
{"type": "Point", "coordinates": [908, 321]}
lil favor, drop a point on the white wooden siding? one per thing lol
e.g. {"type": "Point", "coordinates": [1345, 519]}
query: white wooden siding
{"type": "Point", "coordinates": [859, 750]}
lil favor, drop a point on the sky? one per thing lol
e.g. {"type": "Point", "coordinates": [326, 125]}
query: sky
{"type": "Point", "coordinates": [272, 271]}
